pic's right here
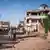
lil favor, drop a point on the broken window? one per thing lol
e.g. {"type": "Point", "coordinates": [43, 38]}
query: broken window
{"type": "Point", "coordinates": [33, 13]}
{"type": "Point", "coordinates": [34, 20]}
{"type": "Point", "coordinates": [29, 20]}
{"type": "Point", "coordinates": [28, 13]}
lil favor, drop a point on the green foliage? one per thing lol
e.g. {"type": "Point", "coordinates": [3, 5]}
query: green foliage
{"type": "Point", "coordinates": [49, 22]}
{"type": "Point", "coordinates": [46, 22]}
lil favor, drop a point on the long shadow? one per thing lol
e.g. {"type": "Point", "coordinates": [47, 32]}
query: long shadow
{"type": "Point", "coordinates": [9, 45]}
{"type": "Point", "coordinates": [14, 42]}
{"type": "Point", "coordinates": [19, 33]}
{"type": "Point", "coordinates": [5, 47]}
{"type": "Point", "coordinates": [22, 38]}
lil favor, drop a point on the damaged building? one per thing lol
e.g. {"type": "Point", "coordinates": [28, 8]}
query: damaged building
{"type": "Point", "coordinates": [33, 22]}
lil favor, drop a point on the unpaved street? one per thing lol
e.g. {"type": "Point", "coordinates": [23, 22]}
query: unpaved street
{"type": "Point", "coordinates": [31, 43]}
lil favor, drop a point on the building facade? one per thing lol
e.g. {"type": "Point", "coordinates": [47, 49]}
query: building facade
{"type": "Point", "coordinates": [34, 19]}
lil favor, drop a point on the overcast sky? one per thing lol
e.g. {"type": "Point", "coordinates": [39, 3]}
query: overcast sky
{"type": "Point", "coordinates": [14, 10]}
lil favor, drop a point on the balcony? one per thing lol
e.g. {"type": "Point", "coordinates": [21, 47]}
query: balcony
{"type": "Point", "coordinates": [36, 17]}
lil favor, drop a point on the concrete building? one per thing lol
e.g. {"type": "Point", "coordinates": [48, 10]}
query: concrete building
{"type": "Point", "coordinates": [34, 18]}
{"type": "Point", "coordinates": [21, 27]}
{"type": "Point", "coordinates": [4, 27]}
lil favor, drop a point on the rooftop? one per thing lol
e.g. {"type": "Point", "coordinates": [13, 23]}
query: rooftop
{"type": "Point", "coordinates": [39, 10]}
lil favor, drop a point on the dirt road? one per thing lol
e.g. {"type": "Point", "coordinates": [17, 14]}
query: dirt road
{"type": "Point", "coordinates": [31, 43]}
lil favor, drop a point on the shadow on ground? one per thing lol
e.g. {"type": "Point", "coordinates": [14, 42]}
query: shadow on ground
{"type": "Point", "coordinates": [4, 47]}
{"type": "Point", "coordinates": [9, 45]}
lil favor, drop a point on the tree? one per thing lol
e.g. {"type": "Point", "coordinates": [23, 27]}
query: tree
{"type": "Point", "coordinates": [45, 20]}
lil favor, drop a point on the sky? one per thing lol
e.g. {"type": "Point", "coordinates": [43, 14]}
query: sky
{"type": "Point", "coordinates": [15, 10]}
